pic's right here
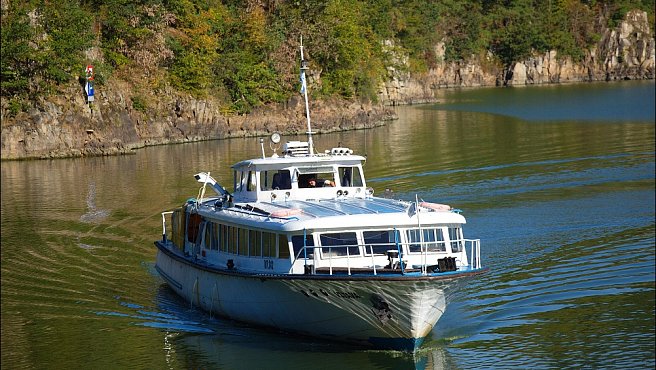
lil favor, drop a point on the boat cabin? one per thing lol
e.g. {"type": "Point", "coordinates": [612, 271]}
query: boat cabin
{"type": "Point", "coordinates": [298, 176]}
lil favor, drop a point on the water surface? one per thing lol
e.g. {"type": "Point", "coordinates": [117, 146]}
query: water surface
{"type": "Point", "coordinates": [557, 182]}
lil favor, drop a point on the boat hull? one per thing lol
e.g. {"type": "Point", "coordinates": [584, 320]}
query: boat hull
{"type": "Point", "coordinates": [384, 312]}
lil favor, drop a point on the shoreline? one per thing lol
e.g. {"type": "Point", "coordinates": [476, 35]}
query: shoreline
{"type": "Point", "coordinates": [333, 116]}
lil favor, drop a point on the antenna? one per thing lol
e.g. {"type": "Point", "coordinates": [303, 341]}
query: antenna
{"type": "Point", "coordinates": [304, 68]}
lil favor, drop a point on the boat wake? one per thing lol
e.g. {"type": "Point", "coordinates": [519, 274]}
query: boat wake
{"type": "Point", "coordinates": [93, 213]}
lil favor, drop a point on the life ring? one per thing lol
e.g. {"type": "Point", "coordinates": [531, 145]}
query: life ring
{"type": "Point", "coordinates": [436, 206]}
{"type": "Point", "coordinates": [285, 212]}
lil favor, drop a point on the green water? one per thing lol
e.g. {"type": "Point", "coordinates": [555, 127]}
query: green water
{"type": "Point", "coordinates": [557, 182]}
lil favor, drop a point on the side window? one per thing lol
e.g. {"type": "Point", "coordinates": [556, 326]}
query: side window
{"type": "Point", "coordinates": [265, 180]}
{"type": "Point", "coordinates": [232, 241]}
{"type": "Point", "coordinates": [283, 246]}
{"type": "Point", "coordinates": [350, 176]}
{"type": "Point", "coordinates": [413, 240]}
{"type": "Point", "coordinates": [238, 180]}
{"type": "Point", "coordinates": [268, 244]}
{"type": "Point", "coordinates": [297, 243]}
{"type": "Point", "coordinates": [456, 240]}
{"type": "Point", "coordinates": [225, 237]}
{"type": "Point", "coordinates": [193, 227]}
{"type": "Point", "coordinates": [208, 235]}
{"type": "Point", "coordinates": [251, 184]}
{"type": "Point", "coordinates": [378, 241]}
{"type": "Point", "coordinates": [439, 237]}
{"type": "Point", "coordinates": [255, 243]}
{"type": "Point", "coordinates": [432, 238]}
{"type": "Point", "coordinates": [339, 244]}
{"type": "Point", "coordinates": [243, 242]}
{"type": "Point", "coordinates": [357, 178]}
{"type": "Point", "coordinates": [216, 236]}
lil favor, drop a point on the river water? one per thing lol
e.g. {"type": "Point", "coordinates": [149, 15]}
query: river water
{"type": "Point", "coordinates": [557, 182]}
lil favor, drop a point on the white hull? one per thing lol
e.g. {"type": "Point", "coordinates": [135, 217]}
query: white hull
{"type": "Point", "coordinates": [391, 313]}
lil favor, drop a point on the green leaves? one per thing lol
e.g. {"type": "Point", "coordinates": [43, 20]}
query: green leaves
{"type": "Point", "coordinates": [43, 45]}
{"type": "Point", "coordinates": [246, 52]}
{"type": "Point", "coordinates": [16, 62]}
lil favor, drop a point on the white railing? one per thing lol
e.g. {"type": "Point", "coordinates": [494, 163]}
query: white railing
{"type": "Point", "coordinates": [475, 252]}
{"type": "Point", "coordinates": [402, 258]}
{"type": "Point", "coordinates": [309, 257]}
{"type": "Point", "coordinates": [164, 235]}
{"type": "Point", "coordinates": [303, 253]}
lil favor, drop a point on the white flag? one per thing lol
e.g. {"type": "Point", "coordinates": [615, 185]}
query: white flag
{"type": "Point", "coordinates": [302, 82]}
{"type": "Point", "coordinates": [412, 209]}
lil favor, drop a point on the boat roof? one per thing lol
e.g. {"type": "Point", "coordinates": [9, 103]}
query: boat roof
{"type": "Point", "coordinates": [288, 161]}
{"type": "Point", "coordinates": [338, 214]}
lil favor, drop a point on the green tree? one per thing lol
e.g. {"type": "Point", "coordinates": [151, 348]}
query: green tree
{"type": "Point", "coordinates": [16, 60]}
{"type": "Point", "coordinates": [69, 32]}
{"type": "Point", "coordinates": [349, 51]}
{"type": "Point", "coordinates": [515, 31]}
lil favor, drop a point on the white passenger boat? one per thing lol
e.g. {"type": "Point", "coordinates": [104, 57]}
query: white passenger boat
{"type": "Point", "coordinates": [302, 245]}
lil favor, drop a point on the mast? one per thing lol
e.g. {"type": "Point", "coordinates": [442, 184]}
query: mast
{"type": "Point", "coordinates": [304, 68]}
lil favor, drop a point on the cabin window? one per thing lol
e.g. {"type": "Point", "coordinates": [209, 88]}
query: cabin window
{"type": "Point", "coordinates": [268, 244]}
{"type": "Point", "coordinates": [456, 239]}
{"type": "Point", "coordinates": [251, 184]}
{"type": "Point", "coordinates": [208, 236]}
{"type": "Point", "coordinates": [243, 242]}
{"type": "Point", "coordinates": [232, 239]}
{"type": "Point", "coordinates": [297, 244]}
{"type": "Point", "coordinates": [378, 241]}
{"type": "Point", "coordinates": [265, 180]}
{"type": "Point", "coordinates": [279, 181]}
{"type": "Point", "coordinates": [432, 239]}
{"type": "Point", "coordinates": [223, 245]}
{"type": "Point", "coordinates": [322, 176]}
{"type": "Point", "coordinates": [216, 236]}
{"type": "Point", "coordinates": [339, 244]}
{"type": "Point", "coordinates": [283, 246]}
{"type": "Point", "coordinates": [350, 176]}
{"type": "Point", "coordinates": [193, 227]}
{"type": "Point", "coordinates": [255, 245]}
{"type": "Point", "coordinates": [239, 180]}
{"type": "Point", "coordinates": [414, 239]}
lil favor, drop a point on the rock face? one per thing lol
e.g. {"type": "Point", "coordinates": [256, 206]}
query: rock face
{"type": "Point", "coordinates": [65, 126]}
{"type": "Point", "coordinates": [623, 53]}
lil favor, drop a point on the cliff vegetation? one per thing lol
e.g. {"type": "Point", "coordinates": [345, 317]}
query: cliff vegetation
{"type": "Point", "coordinates": [244, 52]}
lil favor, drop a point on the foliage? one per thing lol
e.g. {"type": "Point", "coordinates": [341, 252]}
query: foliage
{"type": "Point", "coordinates": [246, 51]}
{"type": "Point", "coordinates": [15, 60]}
{"type": "Point", "coordinates": [42, 45]}
{"type": "Point", "coordinates": [139, 103]}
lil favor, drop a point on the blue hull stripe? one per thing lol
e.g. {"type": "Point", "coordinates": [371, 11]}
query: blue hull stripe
{"type": "Point", "coordinates": [168, 278]}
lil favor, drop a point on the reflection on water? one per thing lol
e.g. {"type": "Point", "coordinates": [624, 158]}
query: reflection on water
{"type": "Point", "coordinates": [563, 204]}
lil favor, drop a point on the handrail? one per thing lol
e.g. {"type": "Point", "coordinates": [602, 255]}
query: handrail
{"type": "Point", "coordinates": [164, 225]}
{"type": "Point", "coordinates": [330, 257]}
{"type": "Point", "coordinates": [474, 253]}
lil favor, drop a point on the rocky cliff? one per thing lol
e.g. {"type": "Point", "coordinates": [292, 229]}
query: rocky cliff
{"type": "Point", "coordinates": [65, 126]}
{"type": "Point", "coordinates": [626, 52]}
